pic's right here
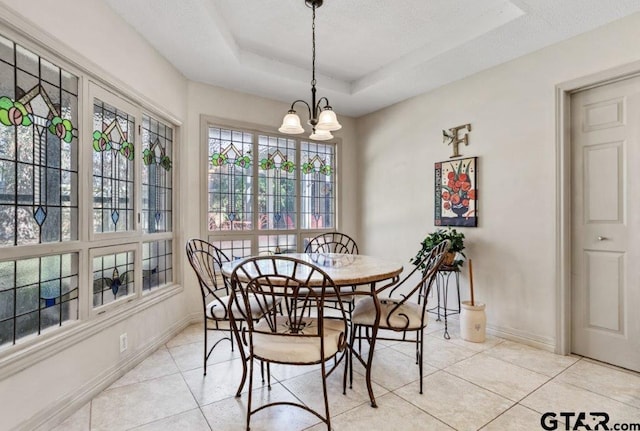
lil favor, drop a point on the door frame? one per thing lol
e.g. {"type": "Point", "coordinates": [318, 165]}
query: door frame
{"type": "Point", "coordinates": [563, 94]}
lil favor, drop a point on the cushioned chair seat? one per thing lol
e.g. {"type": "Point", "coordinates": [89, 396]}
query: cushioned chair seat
{"type": "Point", "coordinates": [297, 348]}
{"type": "Point", "coordinates": [217, 309]}
{"type": "Point", "coordinates": [364, 313]}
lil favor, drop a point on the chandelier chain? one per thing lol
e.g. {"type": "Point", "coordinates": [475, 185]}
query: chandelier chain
{"type": "Point", "coordinates": [322, 119]}
{"type": "Point", "coordinates": [313, 47]}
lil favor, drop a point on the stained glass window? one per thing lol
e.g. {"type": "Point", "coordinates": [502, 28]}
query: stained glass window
{"type": "Point", "coordinates": [276, 244]}
{"type": "Point", "coordinates": [277, 183]}
{"type": "Point", "coordinates": [233, 248]}
{"type": "Point", "coordinates": [157, 142]}
{"type": "Point", "coordinates": [157, 264]}
{"type": "Point", "coordinates": [43, 252]}
{"type": "Point", "coordinates": [113, 168]}
{"type": "Point", "coordinates": [317, 186]}
{"type": "Point", "coordinates": [113, 277]}
{"type": "Point", "coordinates": [230, 179]}
{"type": "Point", "coordinates": [37, 293]}
{"type": "Point", "coordinates": [38, 149]}
{"type": "Point", "coordinates": [266, 193]}
{"type": "Point", "coordinates": [38, 191]}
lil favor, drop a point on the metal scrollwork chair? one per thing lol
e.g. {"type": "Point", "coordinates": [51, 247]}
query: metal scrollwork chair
{"type": "Point", "coordinates": [332, 242]}
{"type": "Point", "coordinates": [206, 260]}
{"type": "Point", "coordinates": [400, 310]}
{"type": "Point", "coordinates": [298, 332]}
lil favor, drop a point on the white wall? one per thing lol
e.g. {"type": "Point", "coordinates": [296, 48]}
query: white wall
{"type": "Point", "coordinates": [512, 111]}
{"type": "Point", "coordinates": [100, 40]}
{"type": "Point", "coordinates": [89, 34]}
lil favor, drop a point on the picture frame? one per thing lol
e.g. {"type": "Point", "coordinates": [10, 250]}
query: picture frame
{"type": "Point", "coordinates": [456, 192]}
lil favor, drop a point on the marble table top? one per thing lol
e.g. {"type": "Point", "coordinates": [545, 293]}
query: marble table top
{"type": "Point", "coordinates": [344, 269]}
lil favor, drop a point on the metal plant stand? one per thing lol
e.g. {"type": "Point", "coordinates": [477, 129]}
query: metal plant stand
{"type": "Point", "coordinates": [444, 275]}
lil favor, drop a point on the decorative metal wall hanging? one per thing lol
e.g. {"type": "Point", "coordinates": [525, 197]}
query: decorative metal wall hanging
{"type": "Point", "coordinates": [452, 137]}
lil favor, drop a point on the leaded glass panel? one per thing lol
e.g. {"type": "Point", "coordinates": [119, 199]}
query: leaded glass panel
{"type": "Point", "coordinates": [157, 143]}
{"type": "Point", "coordinates": [235, 248]}
{"type": "Point", "coordinates": [277, 183]}
{"type": "Point", "coordinates": [6, 51]}
{"type": "Point", "coordinates": [157, 264]}
{"type": "Point", "coordinates": [113, 168]}
{"type": "Point", "coordinates": [38, 149]}
{"type": "Point", "coordinates": [113, 277]}
{"type": "Point", "coordinates": [230, 180]}
{"type": "Point", "coordinates": [276, 244]}
{"type": "Point", "coordinates": [287, 190]}
{"type": "Point", "coordinates": [317, 185]}
{"type": "Point", "coordinates": [37, 293]}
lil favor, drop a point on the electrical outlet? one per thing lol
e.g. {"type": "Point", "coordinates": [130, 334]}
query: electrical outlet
{"type": "Point", "coordinates": [123, 342]}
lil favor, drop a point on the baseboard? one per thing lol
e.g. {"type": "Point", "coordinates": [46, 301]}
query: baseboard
{"type": "Point", "coordinates": [522, 337]}
{"type": "Point", "coordinates": [57, 412]}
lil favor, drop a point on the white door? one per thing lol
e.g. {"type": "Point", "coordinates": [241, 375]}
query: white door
{"type": "Point", "coordinates": [605, 297]}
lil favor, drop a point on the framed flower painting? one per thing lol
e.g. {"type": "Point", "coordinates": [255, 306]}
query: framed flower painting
{"type": "Point", "coordinates": [456, 193]}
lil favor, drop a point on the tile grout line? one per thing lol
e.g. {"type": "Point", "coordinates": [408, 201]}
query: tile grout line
{"type": "Point", "coordinates": [584, 359]}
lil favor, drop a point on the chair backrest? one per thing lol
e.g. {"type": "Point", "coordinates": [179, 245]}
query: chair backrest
{"type": "Point", "coordinates": [206, 260]}
{"type": "Point", "coordinates": [429, 266]}
{"type": "Point", "coordinates": [300, 288]}
{"type": "Point", "coordinates": [332, 242]}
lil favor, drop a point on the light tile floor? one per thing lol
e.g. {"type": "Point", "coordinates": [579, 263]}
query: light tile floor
{"type": "Point", "coordinates": [495, 385]}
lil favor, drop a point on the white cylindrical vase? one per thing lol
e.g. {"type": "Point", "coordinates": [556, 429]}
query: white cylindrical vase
{"type": "Point", "coordinates": [473, 322]}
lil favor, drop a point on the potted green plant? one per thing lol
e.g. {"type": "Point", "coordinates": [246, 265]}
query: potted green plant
{"type": "Point", "coordinates": [434, 238]}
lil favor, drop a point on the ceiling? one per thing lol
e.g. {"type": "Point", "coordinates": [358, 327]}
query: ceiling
{"type": "Point", "coordinates": [369, 53]}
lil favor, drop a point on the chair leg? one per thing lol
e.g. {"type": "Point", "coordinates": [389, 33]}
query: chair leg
{"type": "Point", "coordinates": [205, 347]}
{"type": "Point", "coordinates": [243, 357]}
{"type": "Point", "coordinates": [250, 391]}
{"type": "Point", "coordinates": [269, 375]}
{"type": "Point", "coordinates": [421, 337]}
{"type": "Point", "coordinates": [344, 375]}
{"type": "Point", "coordinates": [326, 397]}
{"type": "Point", "coordinates": [372, 345]}
{"type": "Point", "coordinates": [351, 347]}
{"type": "Point", "coordinates": [231, 336]}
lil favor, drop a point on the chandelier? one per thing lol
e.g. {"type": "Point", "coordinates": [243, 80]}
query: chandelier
{"type": "Point", "coordinates": [322, 119]}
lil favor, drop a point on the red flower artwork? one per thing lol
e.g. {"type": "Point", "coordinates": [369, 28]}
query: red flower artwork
{"type": "Point", "coordinates": [457, 190]}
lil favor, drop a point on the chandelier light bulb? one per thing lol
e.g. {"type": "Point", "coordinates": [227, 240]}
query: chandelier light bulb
{"type": "Point", "coordinates": [291, 124]}
{"type": "Point", "coordinates": [327, 120]}
{"type": "Point", "coordinates": [321, 135]}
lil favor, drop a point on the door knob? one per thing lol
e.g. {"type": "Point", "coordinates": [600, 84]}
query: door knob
{"type": "Point", "coordinates": [602, 238]}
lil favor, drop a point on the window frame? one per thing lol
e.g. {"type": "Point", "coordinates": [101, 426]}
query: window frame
{"type": "Point", "coordinates": [98, 92]}
{"type": "Point", "coordinates": [121, 241]}
{"type": "Point", "coordinates": [94, 252]}
{"type": "Point", "coordinates": [253, 235]}
{"type": "Point", "coordinates": [92, 79]}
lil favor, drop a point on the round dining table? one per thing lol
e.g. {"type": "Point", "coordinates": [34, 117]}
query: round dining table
{"type": "Point", "coordinates": [344, 269]}
{"type": "Point", "coordinates": [348, 272]}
